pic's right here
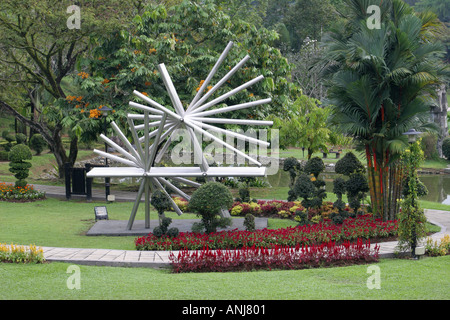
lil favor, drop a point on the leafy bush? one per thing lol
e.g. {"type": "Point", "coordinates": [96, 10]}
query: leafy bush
{"type": "Point", "coordinates": [18, 154]}
{"type": "Point", "coordinates": [21, 138]}
{"type": "Point", "coordinates": [301, 217]}
{"type": "Point", "coordinates": [161, 202]}
{"type": "Point", "coordinates": [310, 188]}
{"type": "Point", "coordinates": [446, 148]}
{"type": "Point", "coordinates": [37, 143]}
{"type": "Point", "coordinates": [163, 229]}
{"type": "Point", "coordinates": [244, 194]}
{"type": "Point", "coordinates": [314, 166]}
{"type": "Point", "coordinates": [293, 166]}
{"type": "Point", "coordinates": [181, 203]}
{"type": "Point", "coordinates": [9, 139]}
{"type": "Point", "coordinates": [207, 201]}
{"type": "Point", "coordinates": [349, 164]}
{"type": "Point", "coordinates": [249, 222]}
{"type": "Point", "coordinates": [4, 155]}
{"type": "Point", "coordinates": [428, 143]}
{"type": "Point", "coordinates": [355, 186]}
{"type": "Point", "coordinates": [437, 248]}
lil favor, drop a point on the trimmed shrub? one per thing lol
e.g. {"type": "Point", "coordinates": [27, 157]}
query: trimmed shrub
{"type": "Point", "coordinates": [249, 222]}
{"type": "Point", "coordinates": [446, 148]}
{"type": "Point", "coordinates": [207, 201]}
{"type": "Point", "coordinates": [9, 139]}
{"type": "Point", "coordinates": [349, 164]}
{"type": "Point", "coordinates": [37, 143]}
{"type": "Point", "coordinates": [18, 154]}
{"type": "Point", "coordinates": [21, 138]}
{"type": "Point", "coordinates": [163, 229]}
{"type": "Point", "coordinates": [294, 167]}
{"type": "Point", "coordinates": [314, 166]}
{"type": "Point", "coordinates": [161, 203]}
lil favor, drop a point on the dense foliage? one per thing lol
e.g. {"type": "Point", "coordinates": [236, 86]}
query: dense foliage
{"type": "Point", "coordinates": [188, 38]}
{"type": "Point", "coordinates": [381, 81]}
{"type": "Point", "coordinates": [208, 201]}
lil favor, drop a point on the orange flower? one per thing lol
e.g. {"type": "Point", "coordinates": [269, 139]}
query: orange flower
{"type": "Point", "coordinates": [147, 83]}
{"type": "Point", "coordinates": [145, 94]}
{"type": "Point", "coordinates": [152, 50]}
{"type": "Point", "coordinates": [95, 113]}
{"type": "Point", "coordinates": [83, 75]}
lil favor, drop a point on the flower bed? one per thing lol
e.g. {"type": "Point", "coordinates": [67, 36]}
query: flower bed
{"type": "Point", "coordinates": [20, 254]}
{"type": "Point", "coordinates": [9, 192]}
{"type": "Point", "coordinates": [277, 257]}
{"type": "Point", "coordinates": [283, 209]}
{"type": "Point", "coordinates": [362, 227]}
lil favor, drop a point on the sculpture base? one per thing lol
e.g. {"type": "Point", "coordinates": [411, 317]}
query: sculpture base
{"type": "Point", "coordinates": [119, 227]}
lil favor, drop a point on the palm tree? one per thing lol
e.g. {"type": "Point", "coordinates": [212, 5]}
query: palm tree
{"type": "Point", "coordinates": [382, 83]}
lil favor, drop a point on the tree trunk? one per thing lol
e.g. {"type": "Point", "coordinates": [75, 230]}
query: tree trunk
{"type": "Point", "coordinates": [385, 185]}
{"type": "Point", "coordinates": [51, 136]}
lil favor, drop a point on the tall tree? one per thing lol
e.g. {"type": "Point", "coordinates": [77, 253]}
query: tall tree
{"type": "Point", "coordinates": [308, 18]}
{"type": "Point", "coordinates": [382, 84]}
{"type": "Point", "coordinates": [188, 38]}
{"type": "Point", "coordinates": [304, 125]}
{"type": "Point", "coordinates": [40, 42]}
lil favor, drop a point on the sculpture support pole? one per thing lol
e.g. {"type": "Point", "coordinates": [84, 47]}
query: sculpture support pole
{"type": "Point", "coordinates": [147, 202]}
{"type": "Point", "coordinates": [147, 167]}
{"type": "Point", "coordinates": [136, 204]}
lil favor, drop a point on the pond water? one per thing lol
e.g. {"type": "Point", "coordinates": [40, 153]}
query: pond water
{"type": "Point", "coordinates": [438, 185]}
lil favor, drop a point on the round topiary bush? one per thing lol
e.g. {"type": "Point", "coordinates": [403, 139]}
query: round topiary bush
{"type": "Point", "coordinates": [349, 164]}
{"type": "Point", "coordinates": [160, 201]}
{"type": "Point", "coordinates": [208, 200]}
{"type": "Point", "coordinates": [446, 148]}
{"type": "Point", "coordinates": [37, 143]}
{"type": "Point", "coordinates": [18, 165]}
{"type": "Point", "coordinates": [21, 138]}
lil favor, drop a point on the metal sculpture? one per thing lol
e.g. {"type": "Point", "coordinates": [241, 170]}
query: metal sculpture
{"type": "Point", "coordinates": [141, 161]}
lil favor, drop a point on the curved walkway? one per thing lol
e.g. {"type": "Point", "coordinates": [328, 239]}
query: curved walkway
{"type": "Point", "coordinates": [160, 259]}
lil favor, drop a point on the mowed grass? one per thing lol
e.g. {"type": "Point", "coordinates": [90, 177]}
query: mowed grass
{"type": "Point", "coordinates": [64, 223]}
{"type": "Point", "coordinates": [61, 223]}
{"type": "Point", "coordinates": [400, 279]}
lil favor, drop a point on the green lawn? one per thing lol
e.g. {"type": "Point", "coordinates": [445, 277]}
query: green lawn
{"type": "Point", "coordinates": [64, 223]}
{"type": "Point", "coordinates": [400, 280]}
{"type": "Point", "coordinates": [61, 223]}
